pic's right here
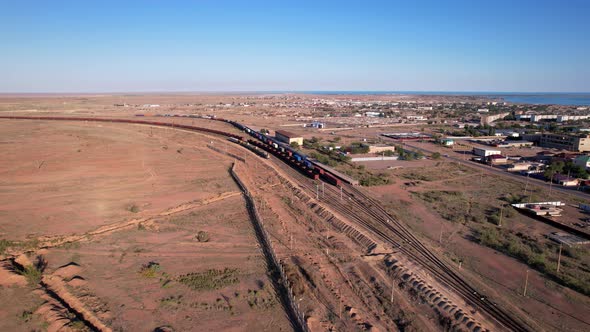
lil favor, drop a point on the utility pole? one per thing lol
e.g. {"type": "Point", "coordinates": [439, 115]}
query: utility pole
{"type": "Point", "coordinates": [559, 258]}
{"type": "Point", "coordinates": [392, 285]}
{"type": "Point", "coordinates": [340, 193]}
{"type": "Point", "coordinates": [551, 184]}
{"type": "Point", "coordinates": [526, 282]}
{"type": "Point", "coordinates": [501, 214]}
{"type": "Point", "coordinates": [323, 189]}
{"type": "Point", "coordinates": [440, 235]}
{"type": "Point", "coordinates": [317, 191]}
{"type": "Point", "coordinates": [339, 306]}
{"type": "Point", "coordinates": [527, 182]}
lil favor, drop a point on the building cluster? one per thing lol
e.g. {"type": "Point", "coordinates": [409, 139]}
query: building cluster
{"type": "Point", "coordinates": [550, 117]}
{"type": "Point", "coordinates": [569, 142]}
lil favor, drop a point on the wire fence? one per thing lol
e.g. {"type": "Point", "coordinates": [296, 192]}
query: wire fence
{"type": "Point", "coordinates": [276, 268]}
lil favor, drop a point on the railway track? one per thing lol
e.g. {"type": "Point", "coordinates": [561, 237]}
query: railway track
{"type": "Point", "coordinates": [367, 213]}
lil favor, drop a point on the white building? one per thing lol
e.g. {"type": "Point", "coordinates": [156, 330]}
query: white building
{"type": "Point", "coordinates": [521, 117]}
{"type": "Point", "coordinates": [563, 118]}
{"type": "Point", "coordinates": [483, 152]}
{"type": "Point", "coordinates": [540, 117]}
{"type": "Point", "coordinates": [373, 114]}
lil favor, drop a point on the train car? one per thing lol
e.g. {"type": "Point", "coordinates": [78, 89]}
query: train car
{"type": "Point", "coordinates": [331, 179]}
{"type": "Point", "coordinates": [313, 175]}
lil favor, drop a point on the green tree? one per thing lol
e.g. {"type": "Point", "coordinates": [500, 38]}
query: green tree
{"type": "Point", "coordinates": [555, 168]}
{"type": "Point", "coordinates": [435, 155]}
{"type": "Point", "coordinates": [294, 145]}
{"type": "Point", "coordinates": [574, 170]}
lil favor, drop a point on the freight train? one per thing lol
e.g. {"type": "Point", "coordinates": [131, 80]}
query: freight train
{"type": "Point", "coordinates": [250, 147]}
{"type": "Point", "coordinates": [290, 156]}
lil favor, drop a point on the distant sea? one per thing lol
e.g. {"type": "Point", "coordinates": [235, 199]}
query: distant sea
{"type": "Point", "coordinates": [537, 98]}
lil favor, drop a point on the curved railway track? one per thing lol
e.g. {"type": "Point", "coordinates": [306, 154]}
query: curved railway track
{"type": "Point", "coordinates": [367, 213]}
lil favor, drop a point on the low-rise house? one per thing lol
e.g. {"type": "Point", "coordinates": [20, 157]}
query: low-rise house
{"type": "Point", "coordinates": [497, 159]}
{"type": "Point", "coordinates": [483, 152]}
{"type": "Point", "coordinates": [377, 148]}
{"type": "Point", "coordinates": [565, 180]}
{"type": "Point", "coordinates": [517, 167]}
{"type": "Point", "coordinates": [447, 142]}
{"type": "Point", "coordinates": [544, 156]}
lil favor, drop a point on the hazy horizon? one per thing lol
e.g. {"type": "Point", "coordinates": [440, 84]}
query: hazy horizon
{"type": "Point", "coordinates": [261, 46]}
{"type": "Point", "coordinates": [344, 92]}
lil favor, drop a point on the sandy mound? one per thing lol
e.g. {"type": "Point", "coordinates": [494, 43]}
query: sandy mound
{"type": "Point", "coordinates": [77, 281]}
{"type": "Point", "coordinates": [23, 260]}
{"type": "Point", "coordinates": [9, 278]}
{"type": "Point", "coordinates": [68, 271]}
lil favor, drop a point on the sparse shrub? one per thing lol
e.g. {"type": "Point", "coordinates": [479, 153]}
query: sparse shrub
{"type": "Point", "coordinates": [494, 219]}
{"type": "Point", "coordinates": [171, 301]}
{"type": "Point", "coordinates": [133, 208]}
{"type": "Point", "coordinates": [574, 252]}
{"type": "Point", "coordinates": [150, 269]}
{"type": "Point", "coordinates": [70, 245]}
{"type": "Point", "coordinates": [388, 153]}
{"type": "Point", "coordinates": [513, 198]}
{"type": "Point", "coordinates": [370, 179]}
{"type": "Point", "coordinates": [202, 236]}
{"type": "Point", "coordinates": [32, 274]}
{"type": "Point", "coordinates": [78, 325]}
{"type": "Point", "coordinates": [210, 279]}
{"type": "Point", "coordinates": [26, 316]}
{"type": "Point", "coordinates": [4, 244]}
{"type": "Point", "coordinates": [489, 237]}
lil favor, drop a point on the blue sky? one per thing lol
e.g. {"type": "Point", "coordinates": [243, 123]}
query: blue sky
{"type": "Point", "coordinates": [208, 45]}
